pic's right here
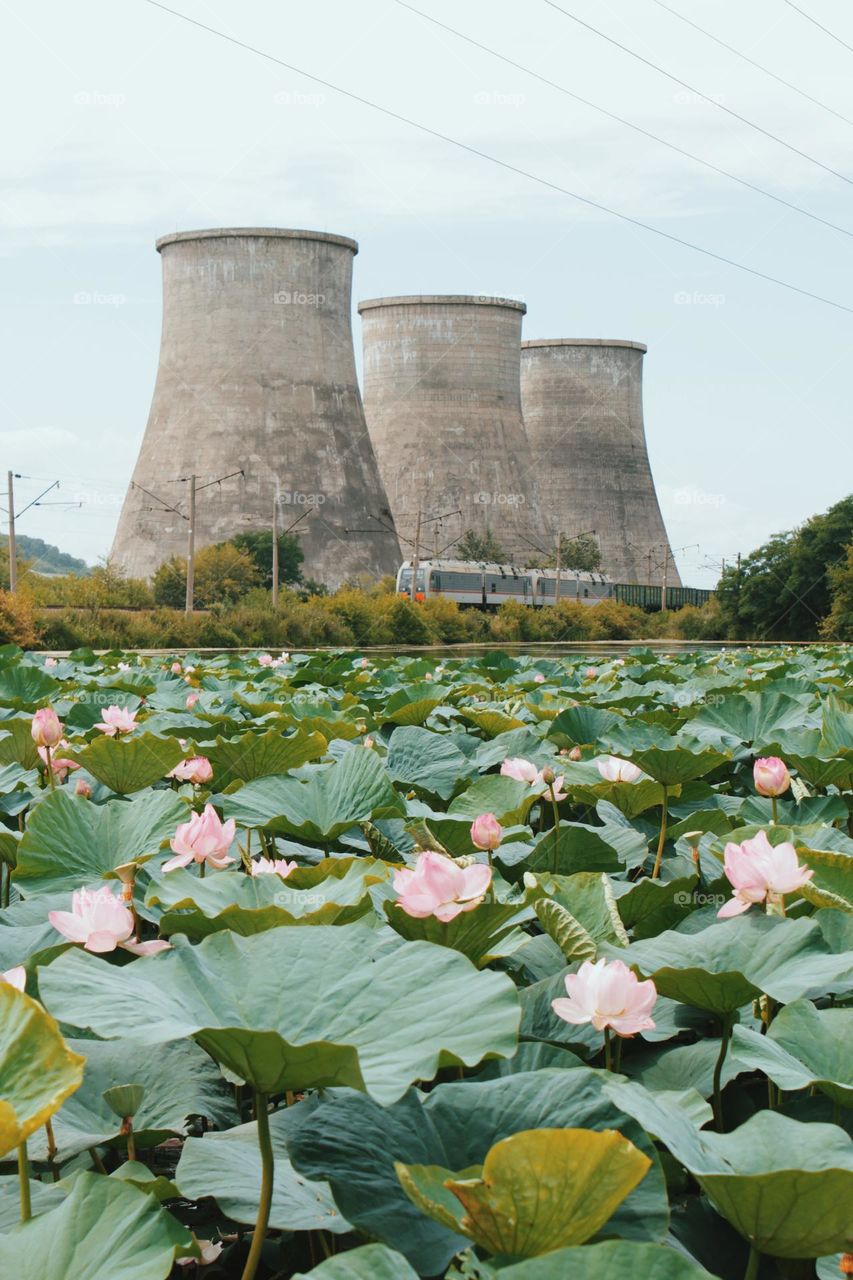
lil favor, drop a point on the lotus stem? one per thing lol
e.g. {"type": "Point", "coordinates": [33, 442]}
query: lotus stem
{"type": "Point", "coordinates": [24, 1183]}
{"type": "Point", "coordinates": [49, 762]}
{"type": "Point", "coordinates": [718, 1071]}
{"type": "Point", "coordinates": [97, 1161]}
{"type": "Point", "coordinates": [662, 839]}
{"type": "Point", "coordinates": [201, 867]}
{"type": "Point", "coordinates": [751, 1272]}
{"type": "Point", "coordinates": [268, 1166]}
{"type": "Point", "coordinates": [775, 810]}
{"type": "Point", "coordinates": [608, 1054]}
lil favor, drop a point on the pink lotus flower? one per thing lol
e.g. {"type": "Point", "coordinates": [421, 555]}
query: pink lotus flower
{"type": "Point", "coordinates": [591, 673]}
{"type": "Point", "coordinates": [615, 770]}
{"type": "Point", "coordinates": [525, 771]}
{"type": "Point", "coordinates": [771, 776]}
{"type": "Point", "coordinates": [46, 728]}
{"type": "Point", "coordinates": [101, 922]}
{"type": "Point", "coordinates": [61, 766]}
{"type": "Point", "coordinates": [607, 995]}
{"type": "Point", "coordinates": [116, 720]}
{"type": "Point", "coordinates": [16, 977]}
{"type": "Point", "coordinates": [176, 668]}
{"type": "Point", "coordinates": [205, 838]}
{"type": "Point", "coordinates": [486, 831]}
{"type": "Point", "coordinates": [209, 1253]}
{"type": "Point", "coordinates": [192, 699]}
{"type": "Point", "coordinates": [197, 770]}
{"type": "Point", "coordinates": [272, 867]}
{"type": "Point", "coordinates": [50, 662]}
{"type": "Point", "coordinates": [439, 887]}
{"type": "Point", "coordinates": [124, 666]}
{"type": "Point", "coordinates": [761, 872]}
{"type": "Point", "coordinates": [265, 660]}
{"type": "Point", "coordinates": [83, 788]}
{"type": "Point", "coordinates": [539, 678]}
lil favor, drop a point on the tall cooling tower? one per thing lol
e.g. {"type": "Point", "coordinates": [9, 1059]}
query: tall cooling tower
{"type": "Point", "coordinates": [442, 397]}
{"type": "Point", "coordinates": [257, 375]}
{"type": "Point", "coordinates": [583, 410]}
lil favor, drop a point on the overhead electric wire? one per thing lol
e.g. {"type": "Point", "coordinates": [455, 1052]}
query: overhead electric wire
{"type": "Point", "coordinates": [825, 30]}
{"type": "Point", "coordinates": [752, 62]}
{"type": "Point", "coordinates": [505, 164]}
{"type": "Point", "coordinates": [692, 89]}
{"type": "Point", "coordinates": [611, 115]}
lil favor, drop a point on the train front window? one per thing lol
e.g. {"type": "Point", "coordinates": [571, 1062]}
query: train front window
{"type": "Point", "coordinates": [406, 580]}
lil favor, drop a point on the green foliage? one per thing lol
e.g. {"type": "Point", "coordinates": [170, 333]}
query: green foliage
{"type": "Point", "coordinates": [474, 545]}
{"type": "Point", "coordinates": [259, 547]}
{"type": "Point", "coordinates": [582, 553]}
{"type": "Point", "coordinates": [223, 574]}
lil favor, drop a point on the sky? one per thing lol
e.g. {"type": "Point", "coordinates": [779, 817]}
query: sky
{"type": "Point", "coordinates": [125, 123]}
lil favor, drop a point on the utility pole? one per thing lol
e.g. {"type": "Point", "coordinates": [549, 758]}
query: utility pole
{"type": "Point", "coordinates": [13, 555]}
{"type": "Point", "coordinates": [416, 557]}
{"type": "Point", "coordinates": [559, 555]}
{"type": "Point", "coordinates": [663, 580]}
{"type": "Point", "coordinates": [275, 551]}
{"type": "Point", "coordinates": [188, 607]}
{"type": "Point", "coordinates": [649, 567]}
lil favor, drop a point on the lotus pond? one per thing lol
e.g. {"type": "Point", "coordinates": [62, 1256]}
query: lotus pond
{"type": "Point", "coordinates": [371, 968]}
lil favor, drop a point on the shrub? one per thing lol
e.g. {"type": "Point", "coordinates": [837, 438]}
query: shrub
{"type": "Point", "coordinates": [17, 620]}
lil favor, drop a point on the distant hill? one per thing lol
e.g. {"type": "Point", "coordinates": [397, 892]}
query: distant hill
{"type": "Point", "coordinates": [45, 558]}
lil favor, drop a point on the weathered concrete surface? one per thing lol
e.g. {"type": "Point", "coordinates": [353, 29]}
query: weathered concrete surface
{"type": "Point", "coordinates": [257, 373]}
{"type": "Point", "coordinates": [583, 411]}
{"type": "Point", "coordinates": [443, 403]}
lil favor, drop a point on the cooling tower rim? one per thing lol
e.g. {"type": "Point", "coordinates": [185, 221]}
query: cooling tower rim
{"type": "Point", "coordinates": [442, 300]}
{"type": "Point", "coordinates": [246, 233]}
{"type": "Point", "coordinates": [583, 342]}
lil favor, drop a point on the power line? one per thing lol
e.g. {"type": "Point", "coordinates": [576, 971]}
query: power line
{"type": "Point", "coordinates": [611, 115]}
{"type": "Point", "coordinates": [745, 58]}
{"type": "Point", "coordinates": [692, 89]}
{"type": "Point", "coordinates": [815, 22]}
{"type": "Point", "coordinates": [505, 164]}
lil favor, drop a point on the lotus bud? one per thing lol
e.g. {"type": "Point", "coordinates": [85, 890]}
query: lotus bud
{"type": "Point", "coordinates": [529, 880]}
{"type": "Point", "coordinates": [771, 776]}
{"type": "Point", "coordinates": [548, 775]}
{"type": "Point", "coordinates": [83, 788]}
{"type": "Point", "coordinates": [176, 668]}
{"type": "Point", "coordinates": [575, 753]}
{"type": "Point", "coordinates": [486, 831]}
{"type": "Point", "coordinates": [46, 728]}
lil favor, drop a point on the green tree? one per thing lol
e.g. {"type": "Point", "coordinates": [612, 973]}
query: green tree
{"type": "Point", "coordinates": [479, 546]}
{"type": "Point", "coordinates": [259, 547]}
{"type": "Point", "coordinates": [582, 553]}
{"type": "Point", "coordinates": [223, 574]}
{"type": "Point", "coordinates": [838, 624]}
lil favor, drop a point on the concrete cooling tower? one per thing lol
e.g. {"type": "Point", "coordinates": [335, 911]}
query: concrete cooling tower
{"type": "Point", "coordinates": [583, 411]}
{"type": "Point", "coordinates": [443, 403]}
{"type": "Point", "coordinates": [257, 375]}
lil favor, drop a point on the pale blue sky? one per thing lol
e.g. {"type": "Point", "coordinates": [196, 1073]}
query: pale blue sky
{"type": "Point", "coordinates": [123, 123]}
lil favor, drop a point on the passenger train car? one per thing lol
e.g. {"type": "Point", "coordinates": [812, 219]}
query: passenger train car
{"type": "Point", "coordinates": [486, 586]}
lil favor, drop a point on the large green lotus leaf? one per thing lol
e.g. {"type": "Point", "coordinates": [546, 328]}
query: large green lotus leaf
{"type": "Point", "coordinates": [588, 896]}
{"type": "Point", "coordinates": [784, 1185]}
{"type": "Point", "coordinates": [297, 1008]}
{"type": "Point", "coordinates": [332, 801]}
{"type": "Point", "coordinates": [43, 1196]}
{"type": "Point", "coordinates": [370, 1262]}
{"type": "Point", "coordinates": [837, 726]}
{"type": "Point", "coordinates": [832, 882]}
{"type": "Point", "coordinates": [491, 721]}
{"type": "Point", "coordinates": [751, 717]}
{"type": "Point", "coordinates": [37, 1069]}
{"type": "Point", "coordinates": [584, 726]}
{"type": "Point", "coordinates": [731, 962]}
{"type": "Point", "coordinates": [576, 847]}
{"type": "Point", "coordinates": [71, 842]}
{"type": "Point", "coordinates": [16, 743]}
{"type": "Point", "coordinates": [630, 798]}
{"type": "Point", "coordinates": [179, 1082]}
{"type": "Point", "coordinates": [126, 764]}
{"type": "Point", "coordinates": [336, 891]}
{"type": "Point", "coordinates": [353, 1143]}
{"type": "Point", "coordinates": [227, 1166]}
{"type": "Point", "coordinates": [651, 906]}
{"type": "Point", "coordinates": [803, 1046]}
{"type": "Point", "coordinates": [678, 764]}
{"type": "Point", "coordinates": [414, 704]}
{"type": "Point", "coordinates": [686, 1066]}
{"type": "Point", "coordinates": [538, 1190]}
{"type": "Point", "coordinates": [508, 799]}
{"type": "Point", "coordinates": [27, 686]}
{"type": "Point", "coordinates": [488, 931]}
{"type": "Point", "coordinates": [426, 761]}
{"type": "Point", "coordinates": [540, 1022]}
{"type": "Point", "coordinates": [87, 711]}
{"type": "Point", "coordinates": [610, 1260]}
{"type": "Point", "coordinates": [261, 755]}
{"type": "Point", "coordinates": [104, 1227]}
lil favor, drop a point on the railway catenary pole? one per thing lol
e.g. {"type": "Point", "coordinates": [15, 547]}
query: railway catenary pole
{"type": "Point", "coordinates": [663, 579]}
{"type": "Point", "coordinates": [275, 551]}
{"type": "Point", "coordinates": [188, 607]}
{"type": "Point", "coordinates": [559, 554]}
{"type": "Point", "coordinates": [13, 557]}
{"type": "Point", "coordinates": [416, 557]}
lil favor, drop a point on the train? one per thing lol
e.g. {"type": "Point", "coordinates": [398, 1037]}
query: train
{"type": "Point", "coordinates": [487, 586]}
